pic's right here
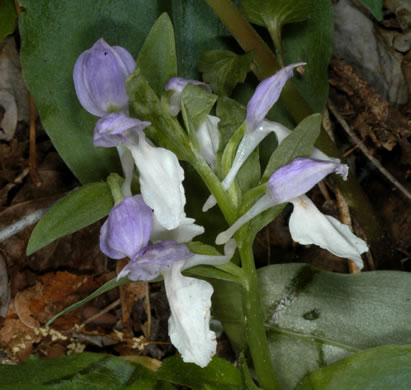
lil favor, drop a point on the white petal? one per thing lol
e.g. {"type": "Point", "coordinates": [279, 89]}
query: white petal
{"type": "Point", "coordinates": [280, 131]}
{"type": "Point", "coordinates": [208, 136]}
{"type": "Point", "coordinates": [161, 178]}
{"type": "Point", "coordinates": [185, 232]}
{"type": "Point", "coordinates": [309, 226]}
{"type": "Point", "coordinates": [189, 323]}
{"type": "Point", "coordinates": [262, 204]}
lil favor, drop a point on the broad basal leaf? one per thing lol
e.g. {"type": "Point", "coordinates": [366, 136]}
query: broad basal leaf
{"type": "Point", "coordinates": [76, 210]}
{"type": "Point", "coordinates": [314, 318]}
{"type": "Point", "coordinates": [218, 375]}
{"type": "Point", "coordinates": [381, 368]}
{"type": "Point", "coordinates": [88, 371]}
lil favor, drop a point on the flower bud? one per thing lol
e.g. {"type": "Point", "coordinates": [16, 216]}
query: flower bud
{"type": "Point", "coordinates": [100, 75]}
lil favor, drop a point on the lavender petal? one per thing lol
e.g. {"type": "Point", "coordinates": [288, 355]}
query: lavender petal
{"type": "Point", "coordinates": [298, 177]}
{"type": "Point", "coordinates": [266, 94]}
{"type": "Point", "coordinates": [154, 259]}
{"type": "Point", "coordinates": [114, 129]}
{"type": "Point", "coordinates": [127, 230]}
{"type": "Point", "coordinates": [99, 75]}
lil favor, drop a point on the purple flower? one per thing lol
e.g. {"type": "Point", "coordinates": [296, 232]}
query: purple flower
{"type": "Point", "coordinates": [300, 176]}
{"type": "Point", "coordinates": [266, 94]}
{"type": "Point", "coordinates": [264, 97]}
{"type": "Point", "coordinates": [100, 75]}
{"type": "Point", "coordinates": [154, 259]}
{"type": "Point", "coordinates": [127, 230]}
{"type": "Point", "coordinates": [116, 128]}
{"type": "Point", "coordinates": [307, 224]}
{"type": "Point", "coordinates": [286, 184]}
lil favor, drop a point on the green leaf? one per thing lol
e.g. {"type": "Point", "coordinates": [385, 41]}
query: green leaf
{"type": "Point", "coordinates": [232, 115]}
{"type": "Point", "coordinates": [311, 41]}
{"type": "Point", "coordinates": [78, 209]}
{"type": "Point", "coordinates": [299, 143]}
{"type": "Point", "coordinates": [375, 7]}
{"type": "Point", "coordinates": [196, 104]}
{"type": "Point", "coordinates": [48, 54]}
{"type": "Point", "coordinates": [218, 375]}
{"type": "Point", "coordinates": [88, 371]}
{"type": "Point", "coordinates": [8, 17]}
{"type": "Point", "coordinates": [314, 318]}
{"type": "Point", "coordinates": [113, 283]}
{"type": "Point", "coordinates": [223, 69]}
{"type": "Point", "coordinates": [197, 30]}
{"type": "Point", "coordinates": [279, 12]}
{"type": "Point", "coordinates": [157, 60]}
{"type": "Point", "coordinates": [379, 368]}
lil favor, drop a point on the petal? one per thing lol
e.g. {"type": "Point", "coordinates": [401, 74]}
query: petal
{"type": "Point", "coordinates": [262, 204]}
{"type": "Point", "coordinates": [299, 176]}
{"type": "Point", "coordinates": [197, 259]}
{"type": "Point", "coordinates": [189, 323]}
{"type": "Point", "coordinates": [185, 232]}
{"type": "Point", "coordinates": [116, 128]}
{"type": "Point", "coordinates": [127, 229]}
{"type": "Point", "coordinates": [208, 137]}
{"type": "Point", "coordinates": [177, 84]}
{"type": "Point", "coordinates": [161, 178]}
{"type": "Point", "coordinates": [309, 226]}
{"type": "Point", "coordinates": [266, 94]}
{"type": "Point", "coordinates": [100, 74]}
{"type": "Point", "coordinates": [280, 131]}
{"type": "Point", "coordinates": [154, 259]}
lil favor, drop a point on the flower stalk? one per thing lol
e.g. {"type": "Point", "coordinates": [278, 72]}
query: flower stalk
{"type": "Point", "coordinates": [254, 322]}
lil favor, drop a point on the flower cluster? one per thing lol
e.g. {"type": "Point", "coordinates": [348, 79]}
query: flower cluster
{"type": "Point", "coordinates": [152, 229]}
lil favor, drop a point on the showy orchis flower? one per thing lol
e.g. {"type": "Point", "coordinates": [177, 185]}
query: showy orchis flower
{"type": "Point", "coordinates": [126, 232]}
{"type": "Point", "coordinates": [264, 97]}
{"type": "Point", "coordinates": [307, 224]}
{"type": "Point", "coordinates": [160, 173]}
{"type": "Point", "coordinates": [100, 75]}
{"type": "Point", "coordinates": [176, 85]}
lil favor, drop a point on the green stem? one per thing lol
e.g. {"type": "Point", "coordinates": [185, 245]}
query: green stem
{"type": "Point", "coordinates": [254, 322]}
{"type": "Point", "coordinates": [214, 185]}
{"type": "Point", "coordinates": [266, 65]}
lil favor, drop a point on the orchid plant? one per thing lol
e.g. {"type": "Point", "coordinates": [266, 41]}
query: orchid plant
{"type": "Point", "coordinates": [151, 228]}
{"type": "Point", "coordinates": [176, 139]}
